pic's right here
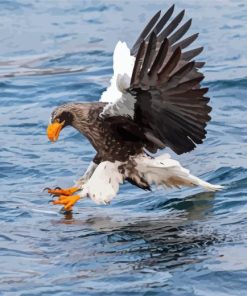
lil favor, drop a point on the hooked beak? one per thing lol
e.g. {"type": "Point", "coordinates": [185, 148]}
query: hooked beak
{"type": "Point", "coordinates": [53, 130]}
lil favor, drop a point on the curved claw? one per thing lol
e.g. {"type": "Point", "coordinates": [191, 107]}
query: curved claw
{"type": "Point", "coordinates": [57, 188]}
{"type": "Point", "coordinates": [46, 188]}
{"type": "Point", "coordinates": [66, 191]}
{"type": "Point", "coordinates": [64, 211]}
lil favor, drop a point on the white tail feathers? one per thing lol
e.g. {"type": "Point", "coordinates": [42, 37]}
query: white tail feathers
{"type": "Point", "coordinates": [208, 186]}
{"type": "Point", "coordinates": [167, 172]}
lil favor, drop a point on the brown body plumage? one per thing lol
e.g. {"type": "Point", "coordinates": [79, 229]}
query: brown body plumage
{"type": "Point", "coordinates": [110, 143]}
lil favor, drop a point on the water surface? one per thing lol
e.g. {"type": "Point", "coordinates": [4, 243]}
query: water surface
{"type": "Point", "coordinates": [180, 242]}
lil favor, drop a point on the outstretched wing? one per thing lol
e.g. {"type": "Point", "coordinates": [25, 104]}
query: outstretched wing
{"type": "Point", "coordinates": [164, 97]}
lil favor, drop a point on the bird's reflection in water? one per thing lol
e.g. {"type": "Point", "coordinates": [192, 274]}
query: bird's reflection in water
{"type": "Point", "coordinates": [68, 217]}
{"type": "Point", "coordinates": [168, 236]}
{"type": "Point", "coordinates": [196, 207]}
{"type": "Point", "coordinates": [193, 207]}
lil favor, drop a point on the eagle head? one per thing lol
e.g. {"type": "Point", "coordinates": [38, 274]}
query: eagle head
{"type": "Point", "coordinates": [60, 118]}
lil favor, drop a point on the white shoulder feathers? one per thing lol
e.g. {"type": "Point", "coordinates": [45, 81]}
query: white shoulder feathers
{"type": "Point", "coordinates": [120, 101]}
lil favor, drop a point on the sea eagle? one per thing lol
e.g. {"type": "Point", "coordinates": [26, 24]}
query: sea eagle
{"type": "Point", "coordinates": [155, 100]}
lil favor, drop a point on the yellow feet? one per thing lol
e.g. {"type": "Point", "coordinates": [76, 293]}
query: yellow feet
{"type": "Point", "coordinates": [67, 201]}
{"type": "Point", "coordinates": [65, 196]}
{"type": "Point", "coordinates": [65, 191]}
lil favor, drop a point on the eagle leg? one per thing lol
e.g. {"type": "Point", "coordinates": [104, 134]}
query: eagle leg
{"type": "Point", "coordinates": [67, 201]}
{"type": "Point", "coordinates": [66, 191]}
{"type": "Point", "coordinates": [78, 185]}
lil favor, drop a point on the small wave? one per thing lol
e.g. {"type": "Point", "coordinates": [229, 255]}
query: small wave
{"type": "Point", "coordinates": [38, 72]}
{"type": "Point", "coordinates": [13, 6]}
{"type": "Point", "coordinates": [225, 83]}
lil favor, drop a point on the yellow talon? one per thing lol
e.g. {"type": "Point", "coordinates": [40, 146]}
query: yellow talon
{"type": "Point", "coordinates": [67, 201]}
{"type": "Point", "coordinates": [65, 191]}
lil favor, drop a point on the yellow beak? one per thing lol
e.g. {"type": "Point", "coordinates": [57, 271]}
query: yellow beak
{"type": "Point", "coordinates": [53, 130]}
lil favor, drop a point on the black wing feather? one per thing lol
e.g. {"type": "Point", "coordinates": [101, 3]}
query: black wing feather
{"type": "Point", "coordinates": [164, 19]}
{"type": "Point", "coordinates": [186, 42]}
{"type": "Point", "coordinates": [172, 26]}
{"type": "Point", "coordinates": [170, 65]}
{"type": "Point", "coordinates": [180, 32]}
{"type": "Point", "coordinates": [150, 51]}
{"type": "Point", "coordinates": [144, 33]}
{"type": "Point", "coordinates": [190, 54]}
{"type": "Point", "coordinates": [151, 27]}
{"type": "Point", "coordinates": [160, 57]}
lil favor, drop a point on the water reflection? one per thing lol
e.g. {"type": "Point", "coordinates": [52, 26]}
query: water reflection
{"type": "Point", "coordinates": [167, 239]}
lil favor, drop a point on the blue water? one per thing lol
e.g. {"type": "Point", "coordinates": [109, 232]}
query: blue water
{"type": "Point", "coordinates": [180, 242]}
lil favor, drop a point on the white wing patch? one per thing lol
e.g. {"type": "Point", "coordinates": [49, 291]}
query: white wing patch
{"type": "Point", "coordinates": [164, 171]}
{"type": "Point", "coordinates": [120, 101]}
{"type": "Point", "coordinates": [103, 185]}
